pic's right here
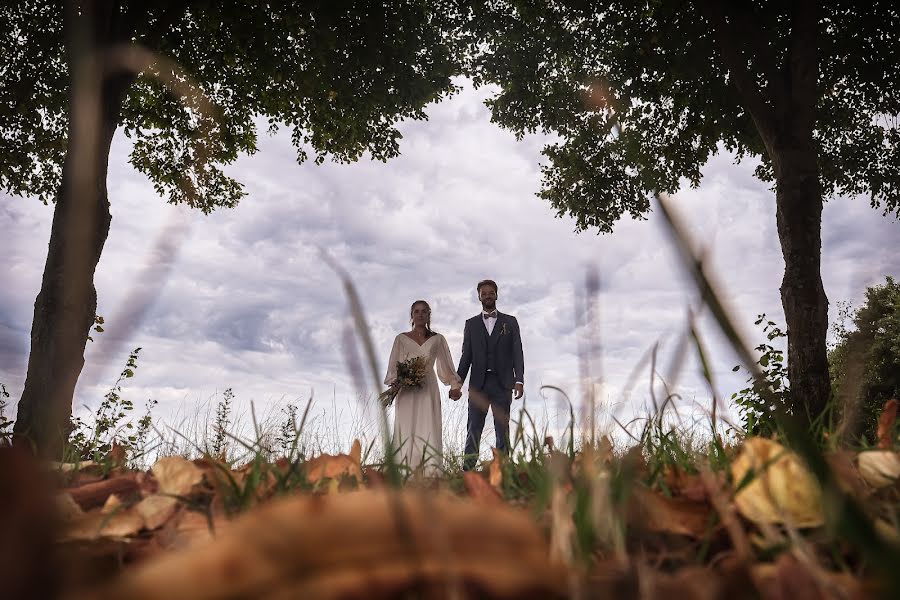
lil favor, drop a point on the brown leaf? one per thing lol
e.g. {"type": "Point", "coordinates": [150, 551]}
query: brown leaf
{"type": "Point", "coordinates": [789, 579]}
{"type": "Point", "coordinates": [176, 475]}
{"type": "Point", "coordinates": [112, 504]}
{"type": "Point", "coordinates": [886, 425]}
{"type": "Point", "coordinates": [651, 511]}
{"type": "Point", "coordinates": [495, 473]}
{"type": "Point", "coordinates": [156, 510]}
{"type": "Point", "coordinates": [841, 463]}
{"type": "Point", "coordinates": [92, 495]}
{"type": "Point", "coordinates": [184, 529]}
{"type": "Point", "coordinates": [118, 455]}
{"type": "Point", "coordinates": [335, 466]}
{"type": "Point", "coordinates": [67, 509]}
{"type": "Point", "coordinates": [687, 485]}
{"type": "Point", "coordinates": [95, 524]}
{"type": "Point", "coordinates": [374, 478]}
{"type": "Point", "coordinates": [367, 544]}
{"type": "Point", "coordinates": [481, 490]}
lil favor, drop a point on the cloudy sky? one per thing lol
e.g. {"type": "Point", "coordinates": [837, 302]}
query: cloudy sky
{"type": "Point", "coordinates": [241, 298]}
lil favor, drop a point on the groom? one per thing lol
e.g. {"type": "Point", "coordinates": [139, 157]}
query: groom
{"type": "Point", "coordinates": [492, 347]}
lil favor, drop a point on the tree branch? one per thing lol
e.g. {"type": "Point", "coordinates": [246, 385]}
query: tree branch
{"type": "Point", "coordinates": [733, 44]}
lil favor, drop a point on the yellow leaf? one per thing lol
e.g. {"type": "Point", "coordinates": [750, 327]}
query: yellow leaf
{"type": "Point", "coordinates": [879, 468]}
{"type": "Point", "coordinates": [156, 510]}
{"type": "Point", "coordinates": [782, 489]}
{"type": "Point", "coordinates": [176, 475]}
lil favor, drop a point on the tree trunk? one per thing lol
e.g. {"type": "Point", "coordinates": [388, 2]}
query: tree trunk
{"type": "Point", "coordinates": [799, 202]}
{"type": "Point", "coordinates": [66, 305]}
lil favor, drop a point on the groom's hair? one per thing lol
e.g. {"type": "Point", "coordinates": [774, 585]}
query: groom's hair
{"type": "Point", "coordinates": [485, 282]}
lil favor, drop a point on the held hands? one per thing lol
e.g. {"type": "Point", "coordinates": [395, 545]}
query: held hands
{"type": "Point", "coordinates": [520, 389]}
{"type": "Point", "coordinates": [456, 394]}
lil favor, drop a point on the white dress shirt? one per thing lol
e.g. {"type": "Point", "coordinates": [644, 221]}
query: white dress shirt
{"type": "Point", "coordinates": [489, 322]}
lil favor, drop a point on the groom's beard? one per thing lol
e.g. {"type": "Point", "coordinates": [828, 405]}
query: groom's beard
{"type": "Point", "coordinates": [488, 308]}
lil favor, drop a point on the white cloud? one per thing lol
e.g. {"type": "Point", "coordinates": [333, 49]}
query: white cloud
{"type": "Point", "coordinates": [246, 301]}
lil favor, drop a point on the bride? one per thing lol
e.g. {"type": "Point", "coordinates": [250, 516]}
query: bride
{"type": "Point", "coordinates": [417, 411]}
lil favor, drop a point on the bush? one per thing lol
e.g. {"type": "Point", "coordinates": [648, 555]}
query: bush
{"type": "Point", "coordinates": [865, 360]}
{"type": "Point", "coordinates": [758, 415]}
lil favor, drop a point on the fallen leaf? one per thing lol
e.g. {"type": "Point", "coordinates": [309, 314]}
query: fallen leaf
{"type": "Point", "coordinates": [782, 490]}
{"type": "Point", "coordinates": [481, 490]}
{"type": "Point", "coordinates": [112, 504]}
{"type": "Point", "coordinates": [92, 495]}
{"type": "Point", "coordinates": [156, 510]}
{"type": "Point", "coordinates": [335, 466]}
{"type": "Point", "coordinates": [846, 473]}
{"type": "Point", "coordinates": [95, 524]}
{"type": "Point", "coordinates": [176, 475]}
{"type": "Point", "coordinates": [358, 545]}
{"type": "Point", "coordinates": [789, 579]}
{"type": "Point", "coordinates": [67, 509]}
{"type": "Point", "coordinates": [651, 511]}
{"type": "Point", "coordinates": [495, 474]}
{"type": "Point", "coordinates": [374, 478]}
{"type": "Point", "coordinates": [879, 468]}
{"type": "Point", "coordinates": [886, 425]}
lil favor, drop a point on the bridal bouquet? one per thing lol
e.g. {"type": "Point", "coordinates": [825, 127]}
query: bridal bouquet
{"type": "Point", "coordinates": [410, 374]}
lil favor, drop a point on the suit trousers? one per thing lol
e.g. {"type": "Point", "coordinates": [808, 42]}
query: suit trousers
{"type": "Point", "coordinates": [499, 399]}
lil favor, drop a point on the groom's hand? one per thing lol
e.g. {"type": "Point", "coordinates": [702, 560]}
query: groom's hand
{"type": "Point", "coordinates": [520, 389]}
{"type": "Point", "coordinates": [455, 394]}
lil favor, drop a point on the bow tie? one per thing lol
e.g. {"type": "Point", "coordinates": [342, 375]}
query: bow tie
{"type": "Point", "coordinates": [490, 315]}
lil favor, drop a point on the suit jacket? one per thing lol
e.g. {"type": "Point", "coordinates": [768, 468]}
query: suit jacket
{"type": "Point", "coordinates": [506, 343]}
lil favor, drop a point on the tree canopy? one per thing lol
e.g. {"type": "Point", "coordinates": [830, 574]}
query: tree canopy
{"type": "Point", "coordinates": [572, 67]}
{"type": "Point", "coordinates": [641, 94]}
{"type": "Point", "coordinates": [339, 75]}
{"type": "Point", "coordinates": [865, 360]}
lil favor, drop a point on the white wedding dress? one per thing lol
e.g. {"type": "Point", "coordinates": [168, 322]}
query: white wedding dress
{"type": "Point", "coordinates": [417, 411]}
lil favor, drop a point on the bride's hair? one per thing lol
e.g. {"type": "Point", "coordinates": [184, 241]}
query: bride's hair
{"type": "Point", "coordinates": [427, 321]}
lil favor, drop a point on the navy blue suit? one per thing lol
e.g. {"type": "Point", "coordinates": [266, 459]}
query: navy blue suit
{"type": "Point", "coordinates": [497, 363]}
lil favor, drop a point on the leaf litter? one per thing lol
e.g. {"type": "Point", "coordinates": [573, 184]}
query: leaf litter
{"type": "Point", "coordinates": [328, 527]}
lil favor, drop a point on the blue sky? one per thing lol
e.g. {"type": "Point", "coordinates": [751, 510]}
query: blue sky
{"type": "Point", "coordinates": [242, 299]}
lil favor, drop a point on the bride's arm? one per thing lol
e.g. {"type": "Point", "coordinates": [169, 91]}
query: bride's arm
{"type": "Point", "coordinates": [392, 362]}
{"type": "Point", "coordinates": [445, 369]}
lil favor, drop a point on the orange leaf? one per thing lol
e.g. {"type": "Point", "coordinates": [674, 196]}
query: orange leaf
{"type": "Point", "coordinates": [481, 490]}
{"type": "Point", "coordinates": [495, 474]}
{"type": "Point", "coordinates": [335, 467]}
{"type": "Point", "coordinates": [886, 424]}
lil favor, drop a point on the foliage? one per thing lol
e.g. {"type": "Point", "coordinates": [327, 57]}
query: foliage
{"type": "Point", "coordinates": [5, 423]}
{"type": "Point", "coordinates": [318, 68]}
{"type": "Point", "coordinates": [97, 326]}
{"type": "Point", "coordinates": [286, 437]}
{"type": "Point", "coordinates": [220, 427]}
{"type": "Point", "coordinates": [574, 68]}
{"type": "Point", "coordinates": [870, 351]}
{"type": "Point", "coordinates": [109, 426]}
{"type": "Point", "coordinates": [757, 414]}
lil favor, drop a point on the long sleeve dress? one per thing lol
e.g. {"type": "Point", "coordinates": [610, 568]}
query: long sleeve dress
{"type": "Point", "coordinates": [417, 411]}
